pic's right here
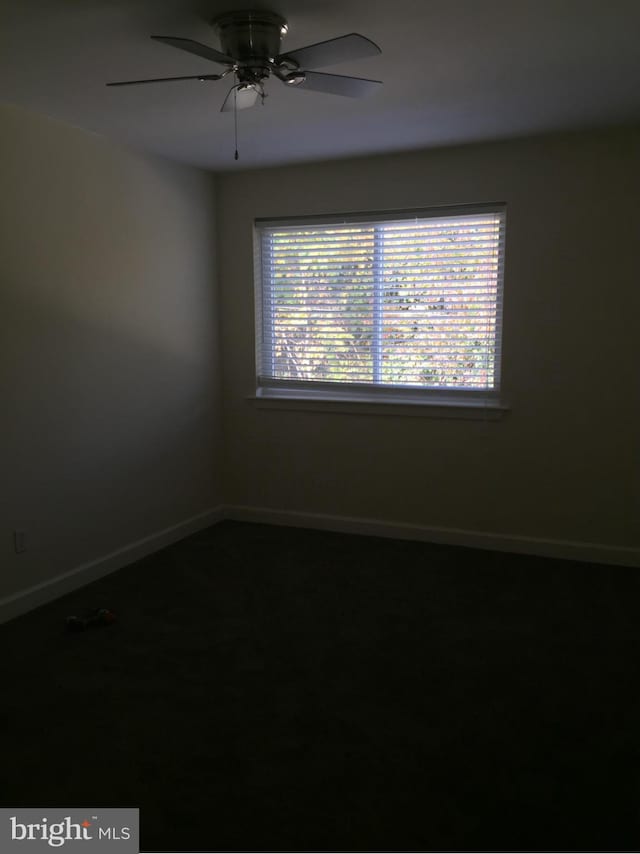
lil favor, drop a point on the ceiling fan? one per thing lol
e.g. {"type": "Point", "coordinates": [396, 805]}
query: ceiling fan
{"type": "Point", "coordinates": [250, 43]}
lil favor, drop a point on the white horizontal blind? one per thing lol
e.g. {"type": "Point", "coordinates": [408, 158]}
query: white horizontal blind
{"type": "Point", "coordinates": [397, 302]}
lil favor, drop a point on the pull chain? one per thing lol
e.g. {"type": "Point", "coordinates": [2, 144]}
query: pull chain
{"type": "Point", "coordinates": [235, 116]}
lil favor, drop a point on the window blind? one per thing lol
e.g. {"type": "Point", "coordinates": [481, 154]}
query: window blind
{"type": "Point", "coordinates": [389, 302]}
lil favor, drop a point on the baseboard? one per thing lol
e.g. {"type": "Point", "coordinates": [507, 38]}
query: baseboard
{"type": "Point", "coordinates": [563, 549]}
{"type": "Point", "coordinates": [25, 600]}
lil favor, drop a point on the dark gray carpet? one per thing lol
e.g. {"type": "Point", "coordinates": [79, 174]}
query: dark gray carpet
{"type": "Point", "coordinates": [280, 689]}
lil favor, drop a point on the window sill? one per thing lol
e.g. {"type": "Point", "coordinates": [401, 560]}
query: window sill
{"type": "Point", "coordinates": [367, 405]}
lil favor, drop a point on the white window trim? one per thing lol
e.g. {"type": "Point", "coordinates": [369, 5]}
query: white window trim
{"type": "Point", "coordinates": [264, 399]}
{"type": "Point", "coordinates": [382, 400]}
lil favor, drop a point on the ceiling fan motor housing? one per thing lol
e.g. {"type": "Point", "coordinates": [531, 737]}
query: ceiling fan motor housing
{"type": "Point", "coordinates": [253, 38]}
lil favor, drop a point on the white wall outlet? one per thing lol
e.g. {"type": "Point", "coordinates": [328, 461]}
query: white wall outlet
{"type": "Point", "coordinates": [20, 541]}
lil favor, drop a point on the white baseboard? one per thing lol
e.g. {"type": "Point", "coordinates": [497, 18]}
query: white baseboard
{"type": "Point", "coordinates": [25, 600]}
{"type": "Point", "coordinates": [563, 549]}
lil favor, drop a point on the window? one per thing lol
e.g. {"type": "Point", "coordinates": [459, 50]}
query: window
{"type": "Point", "coordinates": [401, 307]}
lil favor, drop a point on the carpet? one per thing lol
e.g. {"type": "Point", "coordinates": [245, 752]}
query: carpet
{"type": "Point", "coordinates": [275, 689]}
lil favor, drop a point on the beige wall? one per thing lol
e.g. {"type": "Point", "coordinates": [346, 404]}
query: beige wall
{"type": "Point", "coordinates": [111, 424]}
{"type": "Point", "coordinates": [563, 464]}
{"type": "Point", "coordinates": [108, 347]}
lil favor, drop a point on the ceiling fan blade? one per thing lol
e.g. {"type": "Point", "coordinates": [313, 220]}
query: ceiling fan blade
{"type": "Point", "coordinates": [167, 79]}
{"type": "Point", "coordinates": [336, 84]}
{"type": "Point", "coordinates": [332, 51]}
{"type": "Point", "coordinates": [197, 48]}
{"type": "Point", "coordinates": [245, 97]}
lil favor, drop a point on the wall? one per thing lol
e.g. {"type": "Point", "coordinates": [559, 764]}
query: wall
{"type": "Point", "coordinates": [563, 463]}
{"type": "Point", "coordinates": [109, 352]}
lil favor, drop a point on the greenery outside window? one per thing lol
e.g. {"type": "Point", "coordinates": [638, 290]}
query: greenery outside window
{"type": "Point", "coordinates": [391, 307]}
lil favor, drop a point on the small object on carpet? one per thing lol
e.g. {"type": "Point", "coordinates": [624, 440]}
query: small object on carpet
{"type": "Point", "coordinates": [93, 618]}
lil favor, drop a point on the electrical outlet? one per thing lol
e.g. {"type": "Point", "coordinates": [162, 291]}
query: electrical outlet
{"type": "Point", "coordinates": [20, 541]}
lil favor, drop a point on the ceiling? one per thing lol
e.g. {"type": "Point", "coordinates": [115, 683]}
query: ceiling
{"type": "Point", "coordinates": [454, 71]}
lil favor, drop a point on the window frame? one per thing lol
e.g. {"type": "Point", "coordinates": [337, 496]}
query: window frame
{"type": "Point", "coordinates": [364, 397]}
